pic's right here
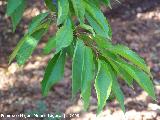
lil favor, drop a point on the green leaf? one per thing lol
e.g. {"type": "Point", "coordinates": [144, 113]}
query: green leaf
{"type": "Point", "coordinates": [95, 25]}
{"type": "Point", "coordinates": [63, 9]}
{"type": "Point", "coordinates": [97, 20]}
{"type": "Point", "coordinates": [117, 91]}
{"type": "Point", "coordinates": [103, 84]}
{"type": "Point", "coordinates": [50, 5]}
{"type": "Point", "coordinates": [12, 6]}
{"type": "Point", "coordinates": [131, 56]}
{"type": "Point", "coordinates": [50, 45]}
{"type": "Point", "coordinates": [112, 58]}
{"type": "Point", "coordinates": [64, 36]}
{"type": "Point", "coordinates": [44, 25]}
{"type": "Point", "coordinates": [87, 76]}
{"type": "Point", "coordinates": [82, 71]}
{"type": "Point", "coordinates": [17, 14]}
{"type": "Point", "coordinates": [54, 72]}
{"type": "Point", "coordinates": [102, 42]}
{"type": "Point", "coordinates": [79, 9]}
{"type": "Point", "coordinates": [108, 3]}
{"type": "Point", "coordinates": [77, 66]}
{"type": "Point", "coordinates": [21, 52]}
{"type": "Point", "coordinates": [141, 78]}
{"type": "Point", "coordinates": [28, 46]}
{"type": "Point", "coordinates": [70, 49]}
{"type": "Point", "coordinates": [14, 53]}
{"type": "Point", "coordinates": [96, 2]}
{"type": "Point", "coordinates": [124, 75]}
{"type": "Point", "coordinates": [88, 27]}
{"type": "Point", "coordinates": [36, 21]}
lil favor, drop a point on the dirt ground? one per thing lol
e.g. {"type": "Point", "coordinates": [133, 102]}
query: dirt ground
{"type": "Point", "coordinates": [135, 23]}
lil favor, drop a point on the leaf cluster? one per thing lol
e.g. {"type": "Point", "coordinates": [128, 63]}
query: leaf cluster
{"type": "Point", "coordinates": [85, 35]}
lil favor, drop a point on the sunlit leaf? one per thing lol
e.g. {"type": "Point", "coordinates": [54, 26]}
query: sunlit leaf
{"type": "Point", "coordinates": [131, 56]}
{"type": "Point", "coordinates": [141, 78]}
{"type": "Point", "coordinates": [36, 21]}
{"type": "Point", "coordinates": [103, 84]}
{"type": "Point", "coordinates": [87, 76]}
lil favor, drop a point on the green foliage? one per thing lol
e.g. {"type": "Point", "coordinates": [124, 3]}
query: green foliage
{"type": "Point", "coordinates": [103, 83]}
{"type": "Point", "coordinates": [55, 71]}
{"type": "Point", "coordinates": [63, 11]}
{"type": "Point", "coordinates": [84, 34]}
{"type": "Point", "coordinates": [15, 10]}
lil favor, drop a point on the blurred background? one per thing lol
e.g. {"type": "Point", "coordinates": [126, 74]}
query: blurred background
{"type": "Point", "coordinates": [135, 23]}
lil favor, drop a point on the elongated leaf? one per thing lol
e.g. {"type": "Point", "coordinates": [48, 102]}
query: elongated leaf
{"type": "Point", "coordinates": [77, 67]}
{"type": "Point", "coordinates": [18, 13]}
{"type": "Point", "coordinates": [103, 84]}
{"type": "Point", "coordinates": [79, 9]}
{"type": "Point", "coordinates": [44, 25]}
{"type": "Point", "coordinates": [54, 72]}
{"type": "Point", "coordinates": [36, 21]}
{"type": "Point", "coordinates": [28, 41]}
{"type": "Point", "coordinates": [141, 78]}
{"type": "Point", "coordinates": [82, 71]}
{"type": "Point", "coordinates": [87, 76]}
{"type": "Point", "coordinates": [103, 46]}
{"type": "Point", "coordinates": [64, 36]}
{"type": "Point", "coordinates": [63, 9]}
{"type": "Point", "coordinates": [14, 53]}
{"type": "Point", "coordinates": [12, 5]}
{"type": "Point", "coordinates": [131, 56]}
{"type": "Point", "coordinates": [112, 58]}
{"type": "Point", "coordinates": [117, 91]}
{"type": "Point", "coordinates": [50, 45]}
{"type": "Point", "coordinates": [95, 25]}
{"type": "Point", "coordinates": [95, 15]}
{"type": "Point", "coordinates": [128, 79]}
{"type": "Point", "coordinates": [28, 46]}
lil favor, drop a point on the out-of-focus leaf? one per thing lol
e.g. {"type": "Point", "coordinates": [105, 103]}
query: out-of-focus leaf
{"type": "Point", "coordinates": [36, 21]}
{"type": "Point", "coordinates": [28, 46]}
{"type": "Point", "coordinates": [108, 3]}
